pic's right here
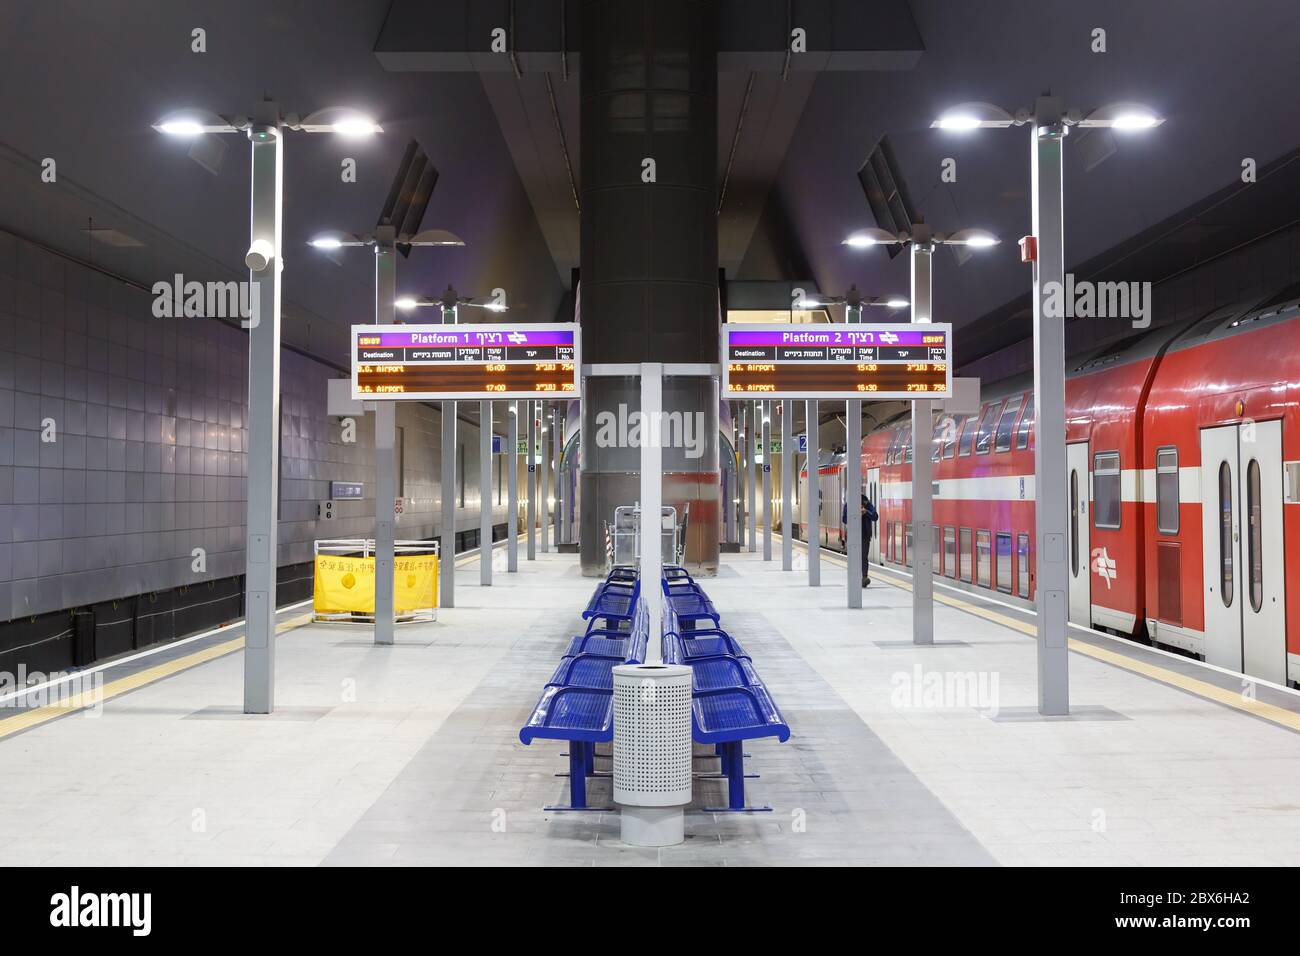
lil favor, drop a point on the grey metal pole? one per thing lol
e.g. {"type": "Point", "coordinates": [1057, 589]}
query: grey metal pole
{"type": "Point", "coordinates": [767, 481]}
{"type": "Point", "coordinates": [561, 498]}
{"type": "Point", "coordinates": [652, 402]}
{"type": "Point", "coordinates": [544, 466]}
{"type": "Point", "coordinates": [741, 470]}
{"type": "Point", "coordinates": [1046, 147]}
{"type": "Point", "coordinates": [447, 539]}
{"type": "Point", "coordinates": [922, 445]}
{"type": "Point", "coordinates": [385, 440]}
{"type": "Point", "coordinates": [814, 500]}
{"type": "Point", "coordinates": [853, 493]}
{"type": "Point", "coordinates": [787, 489]}
{"type": "Point", "coordinates": [531, 516]}
{"type": "Point", "coordinates": [485, 494]}
{"type": "Point", "coordinates": [751, 439]}
{"type": "Point", "coordinates": [263, 426]}
{"type": "Point", "coordinates": [447, 546]}
{"type": "Point", "coordinates": [512, 487]}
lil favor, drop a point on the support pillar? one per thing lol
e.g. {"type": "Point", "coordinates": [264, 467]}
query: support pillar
{"type": "Point", "coordinates": [1051, 597]}
{"type": "Point", "coordinates": [853, 491]}
{"type": "Point", "coordinates": [512, 486]}
{"type": "Point", "coordinates": [814, 499]}
{"type": "Point", "coordinates": [766, 412]}
{"type": "Point", "coordinates": [485, 494]}
{"type": "Point", "coordinates": [263, 427]}
{"type": "Point", "coordinates": [385, 451]}
{"type": "Point", "coordinates": [652, 491]}
{"type": "Point", "coordinates": [922, 473]}
{"type": "Point", "coordinates": [787, 488]}
{"type": "Point", "coordinates": [447, 531]}
{"type": "Point", "coordinates": [531, 516]}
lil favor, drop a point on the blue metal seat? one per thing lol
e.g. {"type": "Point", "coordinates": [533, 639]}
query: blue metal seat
{"type": "Point", "coordinates": [691, 605]}
{"type": "Point", "coordinates": [612, 602]}
{"type": "Point", "coordinates": [585, 670]}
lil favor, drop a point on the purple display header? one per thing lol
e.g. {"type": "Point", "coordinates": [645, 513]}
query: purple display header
{"type": "Point", "coordinates": [841, 335]}
{"type": "Point", "coordinates": [465, 337]}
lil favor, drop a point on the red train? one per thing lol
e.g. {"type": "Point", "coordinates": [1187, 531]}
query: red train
{"type": "Point", "coordinates": [1183, 447]}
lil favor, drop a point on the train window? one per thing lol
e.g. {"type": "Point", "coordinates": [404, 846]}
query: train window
{"type": "Point", "coordinates": [1254, 537]}
{"type": "Point", "coordinates": [984, 441]}
{"type": "Point", "coordinates": [950, 552]}
{"type": "Point", "coordinates": [908, 544]}
{"type": "Point", "coordinates": [898, 542]}
{"type": "Point", "coordinates": [1026, 423]}
{"type": "Point", "coordinates": [983, 559]}
{"type": "Point", "coordinates": [1007, 424]}
{"type": "Point", "coordinates": [936, 439]}
{"type": "Point", "coordinates": [1003, 579]}
{"type": "Point", "coordinates": [963, 554]}
{"type": "Point", "coordinates": [1225, 534]}
{"type": "Point", "coordinates": [1022, 565]}
{"type": "Point", "coordinates": [952, 429]}
{"type": "Point", "coordinates": [1105, 490]}
{"type": "Point", "coordinates": [1167, 490]}
{"type": "Point", "coordinates": [967, 443]}
{"type": "Point", "coordinates": [936, 548]}
{"type": "Point", "coordinates": [893, 446]}
{"type": "Point", "coordinates": [907, 445]}
{"type": "Point", "coordinates": [1074, 523]}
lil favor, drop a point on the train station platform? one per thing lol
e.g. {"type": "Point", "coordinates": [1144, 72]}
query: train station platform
{"type": "Point", "coordinates": [899, 755]}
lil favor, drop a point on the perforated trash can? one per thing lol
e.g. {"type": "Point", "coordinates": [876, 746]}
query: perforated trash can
{"type": "Point", "coordinates": [652, 751]}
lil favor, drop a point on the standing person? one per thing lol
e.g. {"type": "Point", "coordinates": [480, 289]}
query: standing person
{"type": "Point", "coordinates": [869, 516]}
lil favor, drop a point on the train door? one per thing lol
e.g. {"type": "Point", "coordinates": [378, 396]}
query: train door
{"type": "Point", "coordinates": [873, 491]}
{"type": "Point", "coordinates": [1076, 482]}
{"type": "Point", "coordinates": [1241, 520]}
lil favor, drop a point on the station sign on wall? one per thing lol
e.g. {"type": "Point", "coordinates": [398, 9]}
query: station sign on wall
{"type": "Point", "coordinates": [483, 362]}
{"type": "Point", "coordinates": [837, 361]}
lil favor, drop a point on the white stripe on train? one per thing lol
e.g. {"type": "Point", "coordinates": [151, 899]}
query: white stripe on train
{"type": "Point", "coordinates": [1021, 487]}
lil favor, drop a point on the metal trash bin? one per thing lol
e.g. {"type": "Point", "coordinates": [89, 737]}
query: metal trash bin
{"type": "Point", "coordinates": [652, 751]}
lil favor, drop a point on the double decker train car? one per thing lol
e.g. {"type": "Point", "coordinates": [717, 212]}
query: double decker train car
{"type": "Point", "coordinates": [1183, 477]}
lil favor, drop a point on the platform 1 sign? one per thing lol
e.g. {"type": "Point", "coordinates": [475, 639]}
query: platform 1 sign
{"type": "Point", "coordinates": [483, 362]}
{"type": "Point", "coordinates": [886, 361]}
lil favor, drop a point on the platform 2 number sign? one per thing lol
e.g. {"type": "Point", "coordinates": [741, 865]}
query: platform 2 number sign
{"type": "Point", "coordinates": [850, 361]}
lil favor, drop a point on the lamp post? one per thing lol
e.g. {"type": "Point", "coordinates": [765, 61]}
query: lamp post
{"type": "Point", "coordinates": [854, 302]}
{"type": "Point", "coordinates": [385, 240]}
{"type": "Point", "coordinates": [922, 240]}
{"type": "Point", "coordinates": [1049, 123]}
{"type": "Point", "coordinates": [265, 128]}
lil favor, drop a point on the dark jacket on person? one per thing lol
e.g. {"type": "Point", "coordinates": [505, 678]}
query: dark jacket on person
{"type": "Point", "coordinates": [869, 517]}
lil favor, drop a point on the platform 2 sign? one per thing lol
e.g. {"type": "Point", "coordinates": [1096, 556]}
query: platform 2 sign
{"type": "Point", "coordinates": [483, 362]}
{"type": "Point", "coordinates": [886, 361]}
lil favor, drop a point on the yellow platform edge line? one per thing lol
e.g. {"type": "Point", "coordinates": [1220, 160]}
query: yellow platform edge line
{"type": "Point", "coordinates": [123, 685]}
{"type": "Point", "coordinates": [1220, 695]}
{"type": "Point", "coordinates": [85, 699]}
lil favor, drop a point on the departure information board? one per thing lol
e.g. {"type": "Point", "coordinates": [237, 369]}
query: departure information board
{"type": "Point", "coordinates": [837, 361]}
{"type": "Point", "coordinates": [484, 362]}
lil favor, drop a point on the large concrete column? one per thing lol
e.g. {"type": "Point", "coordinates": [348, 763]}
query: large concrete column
{"type": "Point", "coordinates": [485, 494]}
{"type": "Point", "coordinates": [766, 445]}
{"type": "Point", "coordinates": [814, 498]}
{"type": "Point", "coordinates": [530, 518]}
{"type": "Point", "coordinates": [649, 252]}
{"type": "Point", "coordinates": [447, 531]}
{"type": "Point", "coordinates": [544, 466]}
{"type": "Point", "coordinates": [751, 498]}
{"type": "Point", "coordinates": [853, 493]}
{"type": "Point", "coordinates": [263, 428]}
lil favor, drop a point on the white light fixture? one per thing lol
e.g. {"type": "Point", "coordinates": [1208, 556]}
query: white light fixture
{"type": "Point", "coordinates": [187, 124]}
{"type": "Point", "coordinates": [870, 237]}
{"type": "Point", "coordinates": [327, 242]}
{"type": "Point", "coordinates": [434, 237]}
{"type": "Point", "coordinates": [181, 128]}
{"type": "Point", "coordinates": [974, 238]}
{"type": "Point", "coordinates": [969, 116]}
{"type": "Point", "coordinates": [897, 303]}
{"type": "Point", "coordinates": [406, 303]}
{"type": "Point", "coordinates": [1124, 116]}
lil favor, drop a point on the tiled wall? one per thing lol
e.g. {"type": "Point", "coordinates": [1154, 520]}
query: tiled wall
{"type": "Point", "coordinates": [148, 461]}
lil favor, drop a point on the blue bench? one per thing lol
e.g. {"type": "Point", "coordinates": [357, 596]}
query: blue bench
{"type": "Point", "coordinates": [729, 702]}
{"type": "Point", "coordinates": [577, 704]}
{"type": "Point", "coordinates": [689, 602]}
{"type": "Point", "coordinates": [612, 602]}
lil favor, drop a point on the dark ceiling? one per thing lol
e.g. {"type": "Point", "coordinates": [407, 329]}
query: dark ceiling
{"type": "Point", "coordinates": [82, 81]}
